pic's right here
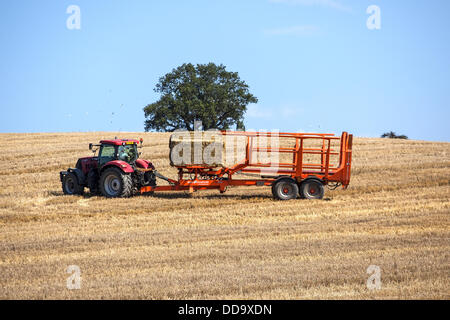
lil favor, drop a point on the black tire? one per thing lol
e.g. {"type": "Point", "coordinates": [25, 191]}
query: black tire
{"type": "Point", "coordinates": [311, 189]}
{"type": "Point", "coordinates": [115, 183]}
{"type": "Point", "coordinates": [70, 185]}
{"type": "Point", "coordinates": [92, 182]}
{"type": "Point", "coordinates": [285, 189]}
{"type": "Point", "coordinates": [149, 180]}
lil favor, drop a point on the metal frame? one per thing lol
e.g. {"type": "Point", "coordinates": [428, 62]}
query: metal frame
{"type": "Point", "coordinates": [204, 177]}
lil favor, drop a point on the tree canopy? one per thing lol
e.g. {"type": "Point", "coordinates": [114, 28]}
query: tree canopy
{"type": "Point", "coordinates": [205, 92]}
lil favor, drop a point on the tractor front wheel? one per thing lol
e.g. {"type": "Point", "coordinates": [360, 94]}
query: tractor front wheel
{"type": "Point", "coordinates": [115, 183]}
{"type": "Point", "coordinates": [70, 185]}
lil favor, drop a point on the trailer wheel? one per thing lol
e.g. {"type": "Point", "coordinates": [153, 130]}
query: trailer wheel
{"type": "Point", "coordinates": [285, 189]}
{"type": "Point", "coordinates": [114, 183]}
{"type": "Point", "coordinates": [70, 185]}
{"type": "Point", "coordinates": [311, 189]}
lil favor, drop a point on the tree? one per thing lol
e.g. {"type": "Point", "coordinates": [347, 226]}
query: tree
{"type": "Point", "coordinates": [392, 135]}
{"type": "Point", "coordinates": [205, 92]}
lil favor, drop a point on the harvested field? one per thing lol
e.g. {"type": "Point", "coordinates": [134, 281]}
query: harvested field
{"type": "Point", "coordinates": [241, 244]}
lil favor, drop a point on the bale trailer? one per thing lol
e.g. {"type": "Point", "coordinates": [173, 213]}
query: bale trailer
{"type": "Point", "coordinates": [297, 177]}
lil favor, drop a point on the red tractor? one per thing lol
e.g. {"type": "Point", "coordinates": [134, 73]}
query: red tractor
{"type": "Point", "coordinates": [117, 171]}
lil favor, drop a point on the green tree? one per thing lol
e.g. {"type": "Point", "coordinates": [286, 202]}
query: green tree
{"type": "Point", "coordinates": [205, 92]}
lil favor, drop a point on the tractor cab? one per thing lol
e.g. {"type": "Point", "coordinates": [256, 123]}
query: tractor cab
{"type": "Point", "coordinates": [116, 149]}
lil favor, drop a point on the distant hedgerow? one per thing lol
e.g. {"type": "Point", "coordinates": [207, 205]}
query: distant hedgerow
{"type": "Point", "coordinates": [392, 135]}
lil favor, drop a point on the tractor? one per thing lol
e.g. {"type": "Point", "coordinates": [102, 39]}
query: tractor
{"type": "Point", "coordinates": [116, 171]}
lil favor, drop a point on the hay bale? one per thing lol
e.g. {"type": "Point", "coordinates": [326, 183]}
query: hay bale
{"type": "Point", "coordinates": [197, 148]}
{"type": "Point", "coordinates": [211, 149]}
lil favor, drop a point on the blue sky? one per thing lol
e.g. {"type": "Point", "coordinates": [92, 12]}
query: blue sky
{"type": "Point", "coordinates": [313, 64]}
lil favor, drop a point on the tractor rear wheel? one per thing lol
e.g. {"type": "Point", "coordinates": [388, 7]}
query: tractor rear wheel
{"type": "Point", "coordinates": [70, 185]}
{"type": "Point", "coordinates": [311, 189]}
{"type": "Point", "coordinates": [115, 183]}
{"type": "Point", "coordinates": [285, 189]}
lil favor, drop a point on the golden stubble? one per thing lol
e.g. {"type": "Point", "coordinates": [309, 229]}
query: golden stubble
{"type": "Point", "coordinates": [241, 244]}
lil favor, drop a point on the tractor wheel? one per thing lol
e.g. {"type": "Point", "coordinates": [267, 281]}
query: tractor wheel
{"type": "Point", "coordinates": [285, 189]}
{"type": "Point", "coordinates": [114, 183]}
{"type": "Point", "coordinates": [149, 180]}
{"type": "Point", "coordinates": [92, 181]}
{"type": "Point", "coordinates": [70, 185]}
{"type": "Point", "coordinates": [311, 189]}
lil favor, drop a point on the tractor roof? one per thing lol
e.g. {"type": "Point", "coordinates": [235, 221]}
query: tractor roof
{"type": "Point", "coordinates": [119, 142]}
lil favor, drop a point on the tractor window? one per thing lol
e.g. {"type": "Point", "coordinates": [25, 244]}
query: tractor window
{"type": "Point", "coordinates": [107, 153]}
{"type": "Point", "coordinates": [127, 153]}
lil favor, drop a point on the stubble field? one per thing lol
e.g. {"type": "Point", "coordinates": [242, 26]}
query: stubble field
{"type": "Point", "coordinates": [241, 244]}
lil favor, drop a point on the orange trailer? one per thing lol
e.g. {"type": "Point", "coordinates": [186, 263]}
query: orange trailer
{"type": "Point", "coordinates": [298, 177]}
